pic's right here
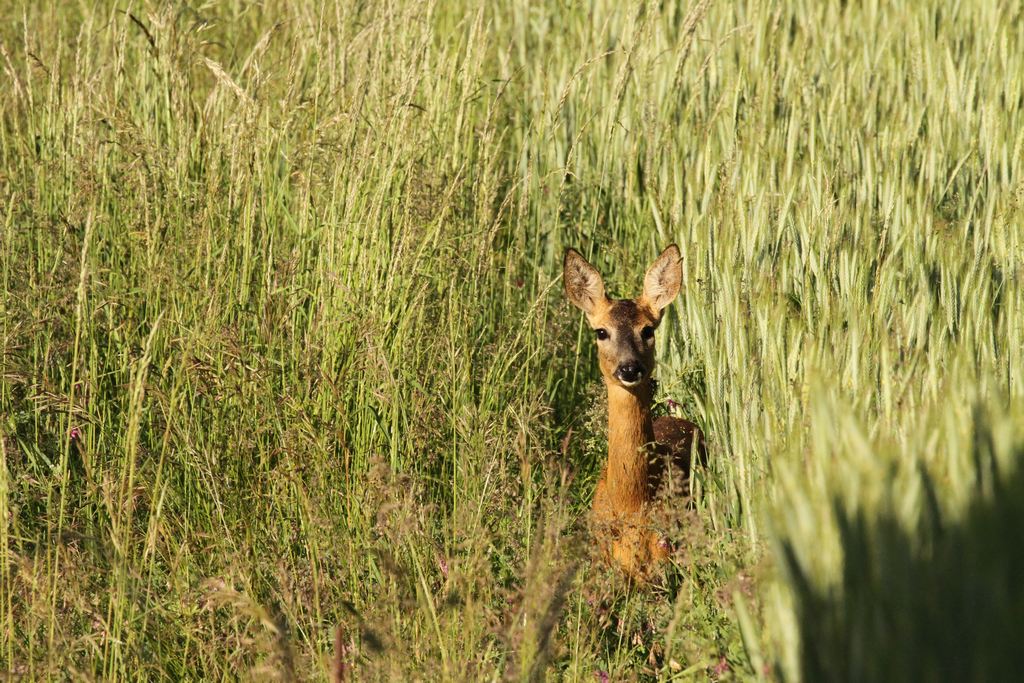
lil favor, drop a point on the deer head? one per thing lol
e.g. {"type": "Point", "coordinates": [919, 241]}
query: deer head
{"type": "Point", "coordinates": [624, 328]}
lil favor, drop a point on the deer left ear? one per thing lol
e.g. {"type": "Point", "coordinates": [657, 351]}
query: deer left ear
{"type": "Point", "coordinates": [583, 284]}
{"type": "Point", "coordinates": [663, 278]}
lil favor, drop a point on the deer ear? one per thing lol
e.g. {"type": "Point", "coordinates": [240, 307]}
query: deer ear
{"type": "Point", "coordinates": [663, 278]}
{"type": "Point", "coordinates": [583, 284]}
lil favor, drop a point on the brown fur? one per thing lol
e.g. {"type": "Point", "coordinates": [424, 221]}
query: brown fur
{"type": "Point", "coordinates": [643, 454]}
{"type": "Point", "coordinates": [675, 439]}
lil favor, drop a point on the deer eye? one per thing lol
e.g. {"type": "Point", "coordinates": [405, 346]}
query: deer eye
{"type": "Point", "coordinates": [647, 332]}
{"type": "Point", "coordinates": [601, 333]}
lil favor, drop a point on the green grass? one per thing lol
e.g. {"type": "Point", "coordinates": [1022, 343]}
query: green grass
{"type": "Point", "coordinates": [284, 346]}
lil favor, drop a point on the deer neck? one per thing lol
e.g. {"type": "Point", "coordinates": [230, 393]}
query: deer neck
{"type": "Point", "coordinates": [630, 431]}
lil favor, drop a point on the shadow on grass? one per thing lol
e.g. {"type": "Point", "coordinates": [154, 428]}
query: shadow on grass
{"type": "Point", "coordinates": [944, 602]}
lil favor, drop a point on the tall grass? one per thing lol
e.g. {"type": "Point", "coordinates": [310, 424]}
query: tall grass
{"type": "Point", "coordinates": [285, 356]}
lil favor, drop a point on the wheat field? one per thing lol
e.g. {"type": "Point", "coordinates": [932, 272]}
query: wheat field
{"type": "Point", "coordinates": [289, 388]}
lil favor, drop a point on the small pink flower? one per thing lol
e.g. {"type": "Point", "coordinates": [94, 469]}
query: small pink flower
{"type": "Point", "coordinates": [75, 434]}
{"type": "Point", "coordinates": [601, 676]}
{"type": "Point", "coordinates": [722, 666]}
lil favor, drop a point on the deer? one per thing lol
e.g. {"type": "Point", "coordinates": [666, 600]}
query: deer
{"type": "Point", "coordinates": [641, 451]}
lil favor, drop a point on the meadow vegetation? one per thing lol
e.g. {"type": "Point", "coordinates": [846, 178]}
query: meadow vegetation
{"type": "Point", "coordinates": [286, 360]}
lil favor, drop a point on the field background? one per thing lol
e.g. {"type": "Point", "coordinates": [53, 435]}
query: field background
{"type": "Point", "coordinates": [284, 346]}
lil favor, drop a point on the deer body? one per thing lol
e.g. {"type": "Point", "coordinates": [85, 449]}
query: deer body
{"type": "Point", "coordinates": [640, 450]}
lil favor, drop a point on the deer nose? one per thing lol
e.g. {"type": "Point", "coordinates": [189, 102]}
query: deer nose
{"type": "Point", "coordinates": [630, 372]}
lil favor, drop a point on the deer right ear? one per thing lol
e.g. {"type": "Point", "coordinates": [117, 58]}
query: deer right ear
{"type": "Point", "coordinates": [663, 278]}
{"type": "Point", "coordinates": [583, 284]}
